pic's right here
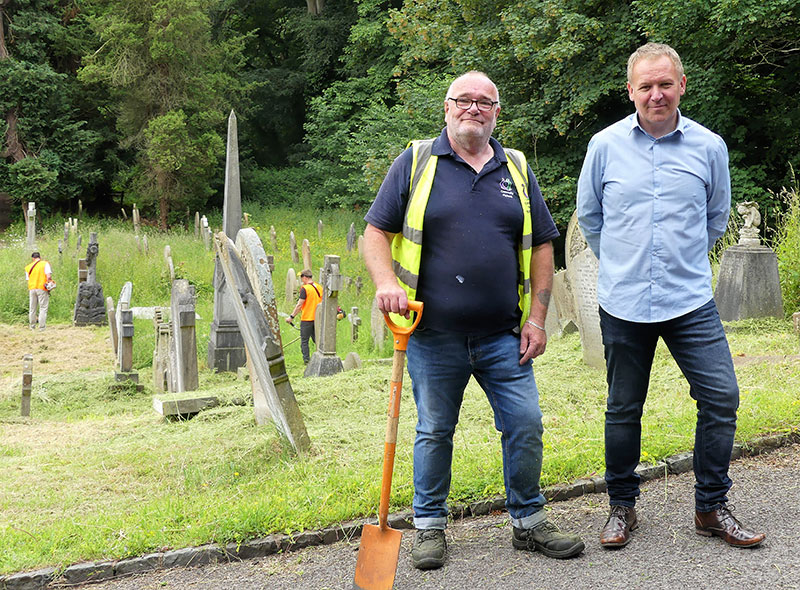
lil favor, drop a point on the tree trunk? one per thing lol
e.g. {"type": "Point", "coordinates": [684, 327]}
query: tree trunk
{"type": "Point", "coordinates": [315, 6]}
{"type": "Point", "coordinates": [12, 148]}
{"type": "Point", "coordinates": [162, 186]}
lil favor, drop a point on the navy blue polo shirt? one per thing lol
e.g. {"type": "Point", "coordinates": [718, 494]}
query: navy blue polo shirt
{"type": "Point", "coordinates": [471, 231]}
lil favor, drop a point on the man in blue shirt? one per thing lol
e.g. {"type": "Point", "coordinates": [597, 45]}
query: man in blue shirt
{"type": "Point", "coordinates": [474, 207]}
{"type": "Point", "coordinates": [653, 197]}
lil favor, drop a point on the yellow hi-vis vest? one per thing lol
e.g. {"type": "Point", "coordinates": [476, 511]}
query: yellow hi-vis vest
{"type": "Point", "coordinates": [36, 275]}
{"type": "Point", "coordinates": [407, 245]}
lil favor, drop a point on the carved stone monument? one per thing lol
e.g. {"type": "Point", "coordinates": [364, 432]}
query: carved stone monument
{"type": "Point", "coordinates": [125, 336]}
{"type": "Point", "coordinates": [161, 368]}
{"type": "Point", "coordinates": [30, 225]}
{"type": "Point", "coordinates": [183, 343]}
{"type": "Point", "coordinates": [748, 285]}
{"type": "Point", "coordinates": [226, 347]}
{"type": "Point", "coordinates": [272, 394]}
{"type": "Point", "coordinates": [27, 383]}
{"type": "Point", "coordinates": [582, 267]}
{"type": "Point", "coordinates": [324, 360]}
{"type": "Point", "coordinates": [306, 248]}
{"type": "Point", "coordinates": [90, 305]}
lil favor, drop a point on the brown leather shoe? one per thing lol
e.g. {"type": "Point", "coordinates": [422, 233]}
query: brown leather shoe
{"type": "Point", "coordinates": [722, 523]}
{"type": "Point", "coordinates": [617, 531]}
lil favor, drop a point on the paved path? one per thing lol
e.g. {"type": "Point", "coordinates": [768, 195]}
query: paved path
{"type": "Point", "coordinates": [665, 552]}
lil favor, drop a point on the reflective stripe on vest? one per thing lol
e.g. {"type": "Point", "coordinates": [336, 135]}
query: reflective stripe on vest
{"type": "Point", "coordinates": [407, 246]}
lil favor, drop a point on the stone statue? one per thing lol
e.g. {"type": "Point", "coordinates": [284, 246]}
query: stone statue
{"type": "Point", "coordinates": [748, 234]}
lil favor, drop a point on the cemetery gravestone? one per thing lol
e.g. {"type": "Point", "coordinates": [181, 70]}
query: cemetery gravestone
{"type": "Point", "coordinates": [226, 350]}
{"type": "Point", "coordinates": [351, 237]}
{"type": "Point", "coordinates": [206, 232]}
{"type": "Point", "coordinates": [324, 360]}
{"type": "Point", "coordinates": [351, 361]}
{"type": "Point", "coordinates": [361, 247]}
{"type": "Point", "coordinates": [136, 220]}
{"type": "Point", "coordinates": [168, 260]}
{"type": "Point", "coordinates": [355, 322]}
{"type": "Point", "coordinates": [183, 342]}
{"type": "Point", "coordinates": [90, 308]}
{"type": "Point", "coordinates": [125, 336]}
{"type": "Point", "coordinates": [306, 247]}
{"type": "Point", "coordinates": [162, 330]}
{"type": "Point", "coordinates": [259, 271]}
{"type": "Point", "coordinates": [66, 233]}
{"type": "Point", "coordinates": [273, 236]}
{"type": "Point", "coordinates": [293, 248]}
{"type": "Point", "coordinates": [111, 316]}
{"type": "Point", "coordinates": [276, 399]}
{"type": "Point", "coordinates": [27, 384]}
{"type": "Point", "coordinates": [748, 285]}
{"type": "Point", "coordinates": [291, 286]}
{"type": "Point", "coordinates": [30, 225]}
{"type": "Point", "coordinates": [319, 230]}
{"type": "Point", "coordinates": [196, 225]}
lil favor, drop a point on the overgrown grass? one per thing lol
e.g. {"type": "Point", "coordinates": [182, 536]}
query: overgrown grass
{"type": "Point", "coordinates": [95, 473]}
{"type": "Point", "coordinates": [788, 250]}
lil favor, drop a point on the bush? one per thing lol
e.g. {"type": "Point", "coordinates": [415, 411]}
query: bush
{"type": "Point", "coordinates": [288, 187]}
{"type": "Point", "coordinates": [788, 249]}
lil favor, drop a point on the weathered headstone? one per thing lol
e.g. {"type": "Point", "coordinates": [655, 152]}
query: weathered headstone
{"type": "Point", "coordinates": [291, 286]}
{"type": "Point", "coordinates": [351, 361]}
{"type": "Point", "coordinates": [293, 248]}
{"type": "Point", "coordinates": [168, 260]}
{"type": "Point", "coordinates": [27, 384]}
{"type": "Point", "coordinates": [582, 268]}
{"type": "Point", "coordinates": [30, 225]}
{"type": "Point", "coordinates": [273, 397]}
{"type": "Point", "coordinates": [748, 285]}
{"type": "Point", "coordinates": [136, 220]}
{"type": "Point", "coordinates": [306, 247]}
{"type": "Point", "coordinates": [90, 305]}
{"type": "Point", "coordinates": [358, 282]}
{"type": "Point", "coordinates": [182, 406]}
{"type": "Point", "coordinates": [73, 226]}
{"type": "Point", "coordinates": [60, 248]}
{"type": "Point", "coordinates": [319, 230]}
{"type": "Point", "coordinates": [377, 326]}
{"type": "Point", "coordinates": [271, 262]}
{"type": "Point", "coordinates": [145, 247]}
{"type": "Point", "coordinates": [324, 360]}
{"type": "Point", "coordinates": [111, 316]}
{"type": "Point", "coordinates": [183, 342]}
{"type": "Point", "coordinates": [360, 245]}
{"type": "Point", "coordinates": [257, 266]}
{"type": "Point", "coordinates": [125, 336]}
{"type": "Point", "coordinates": [273, 236]}
{"type": "Point", "coordinates": [351, 237]}
{"type": "Point", "coordinates": [124, 215]}
{"type": "Point", "coordinates": [161, 368]}
{"type": "Point", "coordinates": [226, 350]}
{"type": "Point", "coordinates": [206, 232]}
{"type": "Point", "coordinates": [78, 243]}
{"type": "Point", "coordinates": [196, 225]}
{"type": "Point", "coordinates": [355, 322]}
{"type": "Point", "coordinates": [83, 270]}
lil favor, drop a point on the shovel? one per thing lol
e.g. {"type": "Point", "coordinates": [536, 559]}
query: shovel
{"type": "Point", "coordinates": [380, 545]}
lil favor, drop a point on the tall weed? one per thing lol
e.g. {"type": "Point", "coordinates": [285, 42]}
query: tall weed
{"type": "Point", "coordinates": [788, 249]}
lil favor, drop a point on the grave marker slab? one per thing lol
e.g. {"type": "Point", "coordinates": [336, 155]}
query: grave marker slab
{"type": "Point", "coordinates": [291, 291]}
{"type": "Point", "coordinates": [111, 316]}
{"type": "Point", "coordinates": [183, 342]}
{"type": "Point", "coordinates": [182, 406]}
{"type": "Point", "coordinates": [125, 336]}
{"type": "Point", "coordinates": [30, 225]}
{"type": "Point", "coordinates": [319, 230]}
{"type": "Point", "coordinates": [206, 232]}
{"type": "Point", "coordinates": [355, 322]}
{"type": "Point", "coordinates": [90, 305]}
{"type": "Point", "coordinates": [306, 248]}
{"type": "Point", "coordinates": [161, 360]}
{"type": "Point", "coordinates": [168, 260]}
{"type": "Point", "coordinates": [351, 237]}
{"type": "Point", "coordinates": [27, 383]}
{"type": "Point", "coordinates": [293, 248]}
{"type": "Point", "coordinates": [273, 236]}
{"type": "Point", "coordinates": [324, 361]}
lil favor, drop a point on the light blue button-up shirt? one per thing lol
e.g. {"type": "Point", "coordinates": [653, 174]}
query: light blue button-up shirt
{"type": "Point", "coordinates": [651, 209]}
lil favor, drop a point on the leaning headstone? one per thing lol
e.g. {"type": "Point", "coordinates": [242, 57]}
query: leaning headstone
{"type": "Point", "coordinates": [161, 368]}
{"type": "Point", "coordinates": [291, 286]}
{"type": "Point", "coordinates": [351, 237]}
{"type": "Point", "coordinates": [226, 350]}
{"type": "Point", "coordinates": [351, 361]}
{"type": "Point", "coordinates": [582, 267]}
{"type": "Point", "coordinates": [355, 322]}
{"type": "Point", "coordinates": [111, 316]}
{"type": "Point", "coordinates": [319, 230]}
{"type": "Point", "coordinates": [748, 285]}
{"type": "Point", "coordinates": [124, 215]}
{"type": "Point", "coordinates": [273, 397]}
{"type": "Point", "coordinates": [125, 336]}
{"type": "Point", "coordinates": [183, 343]}
{"type": "Point", "coordinates": [90, 305]}
{"type": "Point", "coordinates": [60, 248]}
{"type": "Point", "coordinates": [377, 326]}
{"type": "Point", "coordinates": [293, 248]}
{"type": "Point", "coordinates": [306, 248]}
{"type": "Point", "coordinates": [27, 383]}
{"type": "Point", "coordinates": [257, 266]}
{"type": "Point", "coordinates": [30, 225]}
{"type": "Point", "coordinates": [324, 361]}
{"type": "Point", "coordinates": [168, 260]}
{"type": "Point", "coordinates": [273, 236]}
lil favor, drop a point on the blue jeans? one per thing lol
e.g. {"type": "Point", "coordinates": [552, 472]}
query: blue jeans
{"type": "Point", "coordinates": [440, 365]}
{"type": "Point", "coordinates": [698, 345]}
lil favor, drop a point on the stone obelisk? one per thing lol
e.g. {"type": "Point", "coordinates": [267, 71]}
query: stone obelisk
{"type": "Point", "coordinates": [226, 350]}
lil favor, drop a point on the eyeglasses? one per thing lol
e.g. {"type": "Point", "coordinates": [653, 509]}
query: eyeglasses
{"type": "Point", "coordinates": [466, 103]}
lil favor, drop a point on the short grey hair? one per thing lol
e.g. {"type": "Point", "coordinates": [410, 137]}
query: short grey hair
{"type": "Point", "coordinates": [651, 51]}
{"type": "Point", "coordinates": [473, 73]}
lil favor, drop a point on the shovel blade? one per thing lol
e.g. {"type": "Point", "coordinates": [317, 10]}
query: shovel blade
{"type": "Point", "coordinates": [377, 558]}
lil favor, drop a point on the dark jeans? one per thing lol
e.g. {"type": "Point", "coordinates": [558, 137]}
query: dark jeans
{"type": "Point", "coordinates": [698, 345]}
{"type": "Point", "coordinates": [306, 332]}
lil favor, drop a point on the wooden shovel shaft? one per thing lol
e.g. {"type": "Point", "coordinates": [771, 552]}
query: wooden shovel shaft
{"type": "Point", "coordinates": [393, 415]}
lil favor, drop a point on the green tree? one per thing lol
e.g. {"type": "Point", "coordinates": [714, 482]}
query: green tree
{"type": "Point", "coordinates": [172, 85]}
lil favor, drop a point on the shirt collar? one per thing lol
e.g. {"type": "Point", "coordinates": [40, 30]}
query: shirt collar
{"type": "Point", "coordinates": [441, 147]}
{"type": "Point", "coordinates": [683, 124]}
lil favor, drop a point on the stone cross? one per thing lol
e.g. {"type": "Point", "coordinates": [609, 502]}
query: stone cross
{"type": "Point", "coordinates": [273, 236]}
{"type": "Point", "coordinates": [291, 286]}
{"type": "Point", "coordinates": [27, 382]}
{"type": "Point", "coordinates": [226, 351]}
{"type": "Point", "coordinates": [319, 230]}
{"type": "Point", "coordinates": [206, 232]}
{"type": "Point", "coordinates": [125, 336]}
{"type": "Point", "coordinates": [306, 248]}
{"type": "Point", "coordinates": [377, 326]}
{"type": "Point", "coordinates": [324, 360]}
{"type": "Point", "coordinates": [161, 350]}
{"type": "Point", "coordinates": [351, 237]}
{"type": "Point", "coordinates": [273, 398]}
{"type": "Point", "coordinates": [196, 225]}
{"type": "Point", "coordinates": [168, 260]}
{"type": "Point", "coordinates": [30, 225]}
{"type": "Point", "coordinates": [111, 315]}
{"type": "Point", "coordinates": [293, 248]}
{"type": "Point", "coordinates": [183, 343]}
{"type": "Point", "coordinates": [355, 322]}
{"type": "Point", "coordinates": [90, 305]}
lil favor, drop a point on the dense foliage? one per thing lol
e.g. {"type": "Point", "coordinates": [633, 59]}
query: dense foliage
{"type": "Point", "coordinates": [116, 101]}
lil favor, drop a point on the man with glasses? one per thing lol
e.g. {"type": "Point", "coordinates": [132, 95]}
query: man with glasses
{"type": "Point", "coordinates": [484, 271]}
{"type": "Point", "coordinates": [654, 195]}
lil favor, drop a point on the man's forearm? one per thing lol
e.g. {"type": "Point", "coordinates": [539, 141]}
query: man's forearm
{"type": "Point", "coordinates": [541, 281]}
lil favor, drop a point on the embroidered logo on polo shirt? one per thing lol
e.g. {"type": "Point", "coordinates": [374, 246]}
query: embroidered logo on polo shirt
{"type": "Point", "coordinates": [506, 188]}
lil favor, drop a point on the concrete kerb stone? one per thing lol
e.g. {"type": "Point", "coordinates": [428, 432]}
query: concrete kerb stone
{"type": "Point", "coordinates": [346, 531]}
